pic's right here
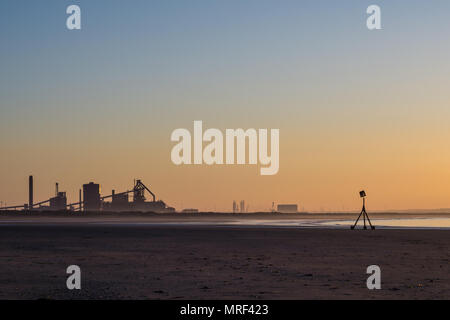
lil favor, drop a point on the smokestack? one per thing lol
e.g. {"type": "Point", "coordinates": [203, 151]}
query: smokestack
{"type": "Point", "coordinates": [79, 195]}
{"type": "Point", "coordinates": [30, 192]}
{"type": "Point", "coordinates": [56, 189]}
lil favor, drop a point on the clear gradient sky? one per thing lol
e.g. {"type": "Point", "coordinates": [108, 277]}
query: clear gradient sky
{"type": "Point", "coordinates": [356, 109]}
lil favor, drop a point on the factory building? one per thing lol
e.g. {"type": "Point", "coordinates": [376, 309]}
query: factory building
{"type": "Point", "coordinates": [93, 201]}
{"type": "Point", "coordinates": [287, 208]}
{"type": "Point", "coordinates": [59, 202]}
{"type": "Point", "coordinates": [120, 202]}
{"type": "Point", "coordinates": [150, 206]}
{"type": "Point", "coordinates": [91, 197]}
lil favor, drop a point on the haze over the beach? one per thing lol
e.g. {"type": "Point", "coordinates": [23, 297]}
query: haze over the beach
{"type": "Point", "coordinates": [356, 109]}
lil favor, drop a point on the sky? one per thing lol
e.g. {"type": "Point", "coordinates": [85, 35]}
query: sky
{"type": "Point", "coordinates": [356, 109]}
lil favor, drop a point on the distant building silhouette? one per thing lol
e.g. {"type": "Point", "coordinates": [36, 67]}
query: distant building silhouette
{"type": "Point", "coordinates": [242, 206]}
{"type": "Point", "coordinates": [59, 202]}
{"type": "Point", "coordinates": [119, 202]}
{"type": "Point", "coordinates": [287, 208]}
{"type": "Point", "coordinates": [93, 201]}
{"type": "Point", "coordinates": [91, 197]}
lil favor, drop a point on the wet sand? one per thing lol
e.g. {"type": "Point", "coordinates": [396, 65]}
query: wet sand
{"type": "Point", "coordinates": [213, 262]}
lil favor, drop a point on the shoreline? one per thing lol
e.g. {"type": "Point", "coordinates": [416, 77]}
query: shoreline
{"type": "Point", "coordinates": [322, 221]}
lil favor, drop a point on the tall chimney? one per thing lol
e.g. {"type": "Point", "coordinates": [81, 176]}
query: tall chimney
{"type": "Point", "coordinates": [79, 195]}
{"type": "Point", "coordinates": [30, 192]}
{"type": "Point", "coordinates": [56, 189]}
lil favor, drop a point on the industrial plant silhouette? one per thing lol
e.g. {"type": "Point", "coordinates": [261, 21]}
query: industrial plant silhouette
{"type": "Point", "coordinates": [92, 201]}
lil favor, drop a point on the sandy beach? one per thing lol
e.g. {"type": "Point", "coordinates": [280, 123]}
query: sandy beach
{"type": "Point", "coordinates": [145, 261]}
